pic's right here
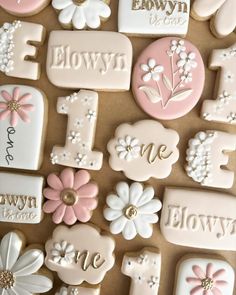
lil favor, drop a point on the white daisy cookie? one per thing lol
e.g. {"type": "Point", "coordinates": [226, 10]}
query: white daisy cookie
{"type": "Point", "coordinates": [82, 14]}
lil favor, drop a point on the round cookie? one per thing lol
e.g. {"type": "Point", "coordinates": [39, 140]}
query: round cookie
{"type": "Point", "coordinates": [168, 78]}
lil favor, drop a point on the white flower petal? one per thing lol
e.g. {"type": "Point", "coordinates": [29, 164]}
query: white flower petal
{"type": "Point", "coordinates": [129, 232]}
{"type": "Point", "coordinates": [192, 55]}
{"type": "Point", "coordinates": [92, 17]}
{"type": "Point", "coordinates": [147, 195]}
{"type": "Point", "coordinates": [111, 214]}
{"type": "Point", "coordinates": [128, 140]}
{"type": "Point", "coordinates": [120, 148]}
{"type": "Point", "coordinates": [128, 156]}
{"type": "Point", "coordinates": [144, 229]}
{"type": "Point", "coordinates": [61, 4]}
{"type": "Point", "coordinates": [115, 202]}
{"type": "Point", "coordinates": [159, 69]}
{"type": "Point", "coordinates": [155, 76]}
{"type": "Point", "coordinates": [101, 8]}
{"type": "Point", "coordinates": [122, 189]}
{"type": "Point", "coordinates": [134, 142]}
{"type": "Point", "coordinates": [78, 19]}
{"type": "Point", "coordinates": [18, 290]}
{"type": "Point", "coordinates": [117, 226]}
{"type": "Point", "coordinates": [147, 77]}
{"type": "Point", "coordinates": [151, 63]}
{"type": "Point", "coordinates": [34, 283]}
{"type": "Point", "coordinates": [10, 249]}
{"type": "Point", "coordinates": [181, 63]}
{"type": "Point", "coordinates": [122, 155]}
{"type": "Point", "coordinates": [151, 207]}
{"type": "Point", "coordinates": [149, 218]}
{"type": "Point", "coordinates": [28, 263]}
{"type": "Point", "coordinates": [135, 192]}
{"type": "Point", "coordinates": [66, 15]}
{"type": "Point", "coordinates": [193, 64]}
{"type": "Point", "coordinates": [145, 68]}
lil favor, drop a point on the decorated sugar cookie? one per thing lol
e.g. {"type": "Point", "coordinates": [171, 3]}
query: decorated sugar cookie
{"type": "Point", "coordinates": [23, 7]}
{"type": "Point", "coordinates": [82, 111]}
{"type": "Point", "coordinates": [144, 268]}
{"type": "Point", "coordinates": [21, 198]}
{"type": "Point", "coordinates": [81, 14]}
{"type": "Point", "coordinates": [153, 18]}
{"type": "Point", "coordinates": [204, 275]}
{"type": "Point", "coordinates": [168, 78]}
{"type": "Point", "coordinates": [223, 108]}
{"type": "Point", "coordinates": [74, 290]}
{"type": "Point", "coordinates": [15, 47]}
{"type": "Point", "coordinates": [143, 150]}
{"type": "Point", "coordinates": [132, 210]}
{"type": "Point", "coordinates": [23, 121]}
{"type": "Point", "coordinates": [223, 21]}
{"type": "Point", "coordinates": [205, 156]}
{"type": "Point", "coordinates": [21, 270]}
{"type": "Point", "coordinates": [71, 196]}
{"type": "Point", "coordinates": [80, 254]}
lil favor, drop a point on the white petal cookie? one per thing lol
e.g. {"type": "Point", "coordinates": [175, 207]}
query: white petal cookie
{"type": "Point", "coordinates": [205, 156]}
{"type": "Point", "coordinates": [19, 272]}
{"type": "Point", "coordinates": [132, 210]}
{"type": "Point", "coordinates": [81, 14]}
{"type": "Point", "coordinates": [221, 12]}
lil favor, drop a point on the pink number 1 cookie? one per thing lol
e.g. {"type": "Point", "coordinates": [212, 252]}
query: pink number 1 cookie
{"type": "Point", "coordinates": [168, 78]}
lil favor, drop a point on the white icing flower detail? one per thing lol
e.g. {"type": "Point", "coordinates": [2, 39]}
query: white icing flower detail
{"type": "Point", "coordinates": [91, 115]}
{"type": "Point", "coordinates": [74, 137]}
{"type": "Point", "coordinates": [231, 118]}
{"type": "Point", "coordinates": [128, 148]}
{"type": "Point", "coordinates": [143, 259]}
{"type": "Point", "coordinates": [18, 273]}
{"type": "Point", "coordinates": [74, 292]}
{"type": "Point", "coordinates": [65, 156]}
{"type": "Point", "coordinates": [233, 51]}
{"type": "Point", "coordinates": [186, 77]}
{"type": "Point", "coordinates": [63, 253]}
{"type": "Point", "coordinates": [199, 157]}
{"type": "Point", "coordinates": [187, 61]}
{"type": "Point", "coordinates": [85, 13]}
{"type": "Point", "coordinates": [229, 77]}
{"type": "Point", "coordinates": [54, 158]}
{"type": "Point", "coordinates": [225, 97]}
{"type": "Point", "coordinates": [132, 210]}
{"type": "Point", "coordinates": [225, 55]}
{"type": "Point", "coordinates": [62, 291]}
{"type": "Point", "coordinates": [63, 109]}
{"type": "Point", "coordinates": [153, 282]}
{"type": "Point", "coordinates": [73, 97]}
{"type": "Point", "coordinates": [79, 123]}
{"type": "Point", "coordinates": [207, 116]}
{"type": "Point", "coordinates": [177, 46]}
{"type": "Point", "coordinates": [152, 70]}
{"type": "Point", "coordinates": [81, 159]}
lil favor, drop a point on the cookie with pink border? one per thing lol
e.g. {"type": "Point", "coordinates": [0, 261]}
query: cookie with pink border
{"type": "Point", "coordinates": [168, 78]}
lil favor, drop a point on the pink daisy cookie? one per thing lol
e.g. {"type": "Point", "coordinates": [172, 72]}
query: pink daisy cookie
{"type": "Point", "coordinates": [71, 196]}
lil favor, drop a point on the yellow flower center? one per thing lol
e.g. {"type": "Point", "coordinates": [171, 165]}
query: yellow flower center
{"type": "Point", "coordinates": [131, 212]}
{"type": "Point", "coordinates": [7, 279]}
{"type": "Point", "coordinates": [79, 2]}
{"type": "Point", "coordinates": [13, 105]}
{"type": "Point", "coordinates": [69, 197]}
{"type": "Point", "coordinates": [129, 148]}
{"type": "Point", "coordinates": [207, 284]}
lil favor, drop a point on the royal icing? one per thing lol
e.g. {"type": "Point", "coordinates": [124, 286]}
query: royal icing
{"type": "Point", "coordinates": [143, 150]}
{"type": "Point", "coordinates": [80, 14]}
{"type": "Point", "coordinates": [206, 155]}
{"type": "Point", "coordinates": [23, 7]}
{"type": "Point", "coordinates": [15, 47]}
{"type": "Point", "coordinates": [82, 111]}
{"type": "Point", "coordinates": [168, 78]}
{"type": "Point", "coordinates": [71, 196]}
{"type": "Point", "coordinates": [90, 63]}
{"type": "Point", "coordinates": [18, 273]}
{"type": "Point", "coordinates": [153, 18]}
{"type": "Point", "coordinates": [132, 210]}
{"type": "Point", "coordinates": [223, 109]}
{"type": "Point", "coordinates": [23, 120]}
{"type": "Point", "coordinates": [200, 219]}
{"type": "Point", "coordinates": [73, 290]}
{"type": "Point", "coordinates": [203, 275]}
{"type": "Point", "coordinates": [21, 198]}
{"type": "Point", "coordinates": [77, 259]}
{"type": "Point", "coordinates": [223, 21]}
{"type": "Point", "coordinates": [144, 268]}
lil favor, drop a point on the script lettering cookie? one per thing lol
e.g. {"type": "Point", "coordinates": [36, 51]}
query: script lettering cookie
{"type": "Point", "coordinates": [132, 210]}
{"type": "Point", "coordinates": [143, 150]}
{"type": "Point", "coordinates": [21, 198]}
{"type": "Point", "coordinates": [23, 121]}
{"type": "Point", "coordinates": [21, 270]}
{"type": "Point", "coordinates": [91, 63]}
{"type": "Point", "coordinates": [204, 275]}
{"type": "Point", "coordinates": [23, 7]}
{"type": "Point", "coordinates": [200, 219]}
{"type": "Point", "coordinates": [74, 290]}
{"type": "Point", "coordinates": [223, 21]}
{"type": "Point", "coordinates": [82, 111]}
{"type": "Point", "coordinates": [144, 268]}
{"type": "Point", "coordinates": [15, 49]}
{"type": "Point", "coordinates": [205, 156]}
{"type": "Point", "coordinates": [168, 78]}
{"type": "Point", "coordinates": [82, 14]}
{"type": "Point", "coordinates": [153, 18]}
{"type": "Point", "coordinates": [80, 254]}
{"type": "Point", "coordinates": [223, 109]}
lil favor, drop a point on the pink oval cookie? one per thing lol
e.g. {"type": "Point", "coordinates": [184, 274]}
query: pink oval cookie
{"type": "Point", "coordinates": [168, 78]}
{"type": "Point", "coordinates": [23, 7]}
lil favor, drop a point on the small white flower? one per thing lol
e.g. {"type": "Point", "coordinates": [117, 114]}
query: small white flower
{"type": "Point", "coordinates": [79, 123]}
{"type": "Point", "coordinates": [65, 156]}
{"type": "Point", "coordinates": [186, 77]}
{"type": "Point", "coordinates": [152, 70]}
{"type": "Point", "coordinates": [92, 163]}
{"type": "Point", "coordinates": [63, 253]}
{"type": "Point", "coordinates": [132, 210]}
{"type": "Point", "coordinates": [74, 291]}
{"type": "Point", "coordinates": [74, 137]}
{"type": "Point", "coordinates": [128, 148]}
{"type": "Point", "coordinates": [177, 46]}
{"type": "Point", "coordinates": [153, 282]}
{"type": "Point", "coordinates": [72, 98]}
{"type": "Point", "coordinates": [63, 109]}
{"type": "Point", "coordinates": [187, 61]}
{"type": "Point", "coordinates": [233, 51]}
{"type": "Point", "coordinates": [81, 159]}
{"type": "Point", "coordinates": [231, 118]}
{"type": "Point", "coordinates": [225, 97]}
{"type": "Point", "coordinates": [229, 77]}
{"type": "Point", "coordinates": [143, 259]}
{"type": "Point", "coordinates": [86, 100]}
{"type": "Point", "coordinates": [54, 158]}
{"type": "Point", "coordinates": [225, 55]}
{"type": "Point", "coordinates": [62, 291]}
{"type": "Point", "coordinates": [91, 115]}
{"type": "Point", "coordinates": [139, 278]}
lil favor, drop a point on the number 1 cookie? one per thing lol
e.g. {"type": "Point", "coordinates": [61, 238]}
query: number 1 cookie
{"type": "Point", "coordinates": [23, 7]}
